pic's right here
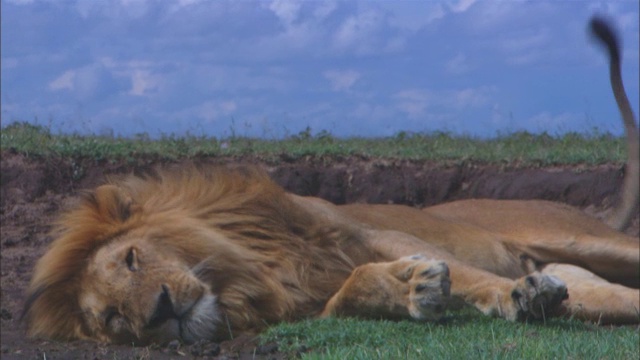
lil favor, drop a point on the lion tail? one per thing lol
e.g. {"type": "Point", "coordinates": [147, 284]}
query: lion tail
{"type": "Point", "coordinates": [627, 208]}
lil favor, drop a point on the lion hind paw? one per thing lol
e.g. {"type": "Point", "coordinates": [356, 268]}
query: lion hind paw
{"type": "Point", "coordinates": [538, 295]}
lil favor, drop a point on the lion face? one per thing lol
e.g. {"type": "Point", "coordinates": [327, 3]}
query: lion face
{"type": "Point", "coordinates": [133, 290]}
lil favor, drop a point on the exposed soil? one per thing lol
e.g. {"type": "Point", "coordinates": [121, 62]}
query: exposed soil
{"type": "Point", "coordinates": [33, 191]}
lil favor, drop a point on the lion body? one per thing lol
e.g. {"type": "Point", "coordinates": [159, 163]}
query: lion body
{"type": "Point", "coordinates": [210, 253]}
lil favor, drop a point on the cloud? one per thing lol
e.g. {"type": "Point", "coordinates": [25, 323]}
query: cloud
{"type": "Point", "coordinates": [64, 81]}
{"type": "Point", "coordinates": [210, 110]}
{"type": "Point", "coordinates": [457, 65]}
{"type": "Point", "coordinates": [183, 3]}
{"type": "Point", "coordinates": [128, 9]}
{"type": "Point", "coordinates": [20, 2]}
{"type": "Point", "coordinates": [324, 9]}
{"type": "Point", "coordinates": [462, 6]}
{"type": "Point", "coordinates": [526, 47]}
{"type": "Point", "coordinates": [9, 63]}
{"type": "Point", "coordinates": [94, 82]}
{"type": "Point", "coordinates": [341, 80]}
{"type": "Point", "coordinates": [412, 16]}
{"type": "Point", "coordinates": [415, 102]}
{"type": "Point", "coordinates": [358, 31]}
{"type": "Point", "coordinates": [286, 10]}
{"type": "Point", "coordinates": [525, 41]}
{"type": "Point", "coordinates": [142, 82]}
{"type": "Point", "coordinates": [468, 97]}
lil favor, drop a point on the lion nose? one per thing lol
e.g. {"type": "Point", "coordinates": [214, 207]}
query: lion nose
{"type": "Point", "coordinates": [164, 309]}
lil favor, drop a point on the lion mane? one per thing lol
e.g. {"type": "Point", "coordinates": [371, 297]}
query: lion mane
{"type": "Point", "coordinates": [257, 250]}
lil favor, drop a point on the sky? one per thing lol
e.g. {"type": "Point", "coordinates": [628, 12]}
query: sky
{"type": "Point", "coordinates": [272, 69]}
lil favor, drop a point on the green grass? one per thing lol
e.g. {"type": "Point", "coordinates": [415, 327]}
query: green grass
{"type": "Point", "coordinates": [465, 335]}
{"type": "Point", "coordinates": [518, 148]}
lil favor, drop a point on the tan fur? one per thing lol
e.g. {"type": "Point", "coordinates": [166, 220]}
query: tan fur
{"type": "Point", "coordinates": [193, 253]}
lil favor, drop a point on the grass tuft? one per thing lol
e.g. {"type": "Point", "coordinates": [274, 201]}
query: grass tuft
{"type": "Point", "coordinates": [518, 148]}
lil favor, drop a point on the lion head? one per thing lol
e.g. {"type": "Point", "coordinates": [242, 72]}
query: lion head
{"type": "Point", "coordinates": [187, 254]}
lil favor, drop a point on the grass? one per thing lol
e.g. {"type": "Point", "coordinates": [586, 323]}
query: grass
{"type": "Point", "coordinates": [465, 335]}
{"type": "Point", "coordinates": [518, 148]}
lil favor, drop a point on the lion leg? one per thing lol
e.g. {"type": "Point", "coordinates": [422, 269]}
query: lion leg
{"type": "Point", "coordinates": [594, 298]}
{"type": "Point", "coordinates": [411, 287]}
{"type": "Point", "coordinates": [616, 259]}
{"type": "Point", "coordinates": [534, 296]}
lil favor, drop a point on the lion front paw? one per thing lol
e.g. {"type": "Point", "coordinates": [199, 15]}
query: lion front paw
{"type": "Point", "coordinates": [429, 287]}
{"type": "Point", "coordinates": [537, 295]}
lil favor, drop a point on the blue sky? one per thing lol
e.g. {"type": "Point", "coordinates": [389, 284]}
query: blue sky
{"type": "Point", "coordinates": [273, 68]}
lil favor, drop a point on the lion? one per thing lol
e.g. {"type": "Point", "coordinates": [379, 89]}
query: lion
{"type": "Point", "coordinates": [199, 252]}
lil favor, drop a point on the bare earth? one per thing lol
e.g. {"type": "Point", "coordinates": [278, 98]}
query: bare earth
{"type": "Point", "coordinates": [33, 191]}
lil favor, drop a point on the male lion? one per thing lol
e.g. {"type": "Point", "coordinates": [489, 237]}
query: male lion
{"type": "Point", "coordinates": [206, 253]}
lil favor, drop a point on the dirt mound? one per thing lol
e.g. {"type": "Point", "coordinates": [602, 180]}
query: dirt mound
{"type": "Point", "coordinates": [34, 190]}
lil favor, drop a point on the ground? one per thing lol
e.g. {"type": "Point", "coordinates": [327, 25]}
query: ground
{"type": "Point", "coordinates": [33, 191]}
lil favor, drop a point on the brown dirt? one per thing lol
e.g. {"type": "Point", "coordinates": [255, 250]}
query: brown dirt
{"type": "Point", "coordinates": [34, 190]}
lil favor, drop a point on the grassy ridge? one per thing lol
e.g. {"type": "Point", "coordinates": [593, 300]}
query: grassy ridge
{"type": "Point", "coordinates": [523, 148]}
{"type": "Point", "coordinates": [465, 335]}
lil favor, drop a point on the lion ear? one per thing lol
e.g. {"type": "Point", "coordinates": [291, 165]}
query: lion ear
{"type": "Point", "coordinates": [113, 203]}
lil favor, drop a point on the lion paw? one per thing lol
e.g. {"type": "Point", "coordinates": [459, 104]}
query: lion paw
{"type": "Point", "coordinates": [429, 287]}
{"type": "Point", "coordinates": [537, 295]}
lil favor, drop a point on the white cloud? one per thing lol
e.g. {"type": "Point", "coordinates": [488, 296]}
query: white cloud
{"type": "Point", "coordinates": [188, 2]}
{"type": "Point", "coordinates": [526, 48]}
{"type": "Point", "coordinates": [461, 5]}
{"type": "Point", "coordinates": [324, 9]}
{"type": "Point", "coordinates": [358, 31]}
{"type": "Point", "coordinates": [411, 15]}
{"type": "Point", "coordinates": [94, 81]}
{"type": "Point", "coordinates": [9, 63]}
{"type": "Point", "coordinates": [413, 102]}
{"type": "Point", "coordinates": [468, 97]}
{"type": "Point", "coordinates": [140, 73]}
{"type": "Point", "coordinates": [435, 12]}
{"type": "Point", "coordinates": [64, 81]}
{"type": "Point", "coordinates": [493, 14]}
{"type": "Point", "coordinates": [341, 80]}
{"type": "Point", "coordinates": [20, 2]}
{"type": "Point", "coordinates": [129, 9]}
{"type": "Point", "coordinates": [209, 111]}
{"type": "Point", "coordinates": [526, 41]}
{"type": "Point", "coordinates": [142, 82]}
{"type": "Point", "coordinates": [457, 65]}
{"type": "Point", "coordinates": [286, 10]}
{"type": "Point", "coordinates": [371, 112]}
